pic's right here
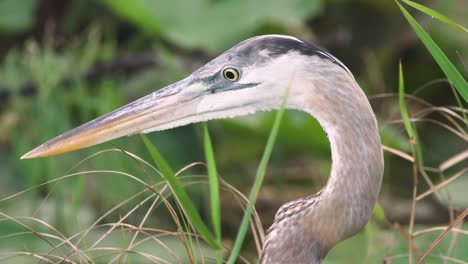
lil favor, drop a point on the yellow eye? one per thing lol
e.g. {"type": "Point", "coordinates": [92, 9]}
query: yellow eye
{"type": "Point", "coordinates": [231, 74]}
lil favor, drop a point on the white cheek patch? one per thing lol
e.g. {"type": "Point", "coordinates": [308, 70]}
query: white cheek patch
{"type": "Point", "coordinates": [228, 100]}
{"type": "Point", "coordinates": [278, 71]}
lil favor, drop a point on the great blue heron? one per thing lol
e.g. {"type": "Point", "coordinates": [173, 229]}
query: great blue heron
{"type": "Point", "coordinates": [253, 76]}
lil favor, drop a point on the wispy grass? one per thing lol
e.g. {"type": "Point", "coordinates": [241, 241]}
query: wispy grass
{"type": "Point", "coordinates": [80, 249]}
{"type": "Point", "coordinates": [460, 104]}
{"type": "Point", "coordinates": [450, 114]}
{"type": "Point", "coordinates": [461, 86]}
{"type": "Point", "coordinates": [86, 246]}
{"type": "Point", "coordinates": [91, 244]}
{"type": "Point", "coordinates": [439, 56]}
{"type": "Point", "coordinates": [457, 221]}
{"type": "Point", "coordinates": [181, 195]}
{"type": "Point", "coordinates": [418, 166]}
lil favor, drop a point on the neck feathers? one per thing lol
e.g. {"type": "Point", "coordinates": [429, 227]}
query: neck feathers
{"type": "Point", "coordinates": [344, 206]}
{"type": "Point", "coordinates": [357, 158]}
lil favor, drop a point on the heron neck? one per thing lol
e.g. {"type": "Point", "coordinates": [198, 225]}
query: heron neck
{"type": "Point", "coordinates": [357, 161]}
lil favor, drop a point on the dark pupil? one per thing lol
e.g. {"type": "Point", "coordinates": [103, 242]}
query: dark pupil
{"type": "Point", "coordinates": [230, 75]}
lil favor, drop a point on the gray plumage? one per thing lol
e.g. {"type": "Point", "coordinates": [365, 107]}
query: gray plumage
{"type": "Point", "coordinates": [261, 70]}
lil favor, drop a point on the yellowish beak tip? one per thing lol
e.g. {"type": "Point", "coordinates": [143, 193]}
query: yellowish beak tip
{"type": "Point", "coordinates": [30, 155]}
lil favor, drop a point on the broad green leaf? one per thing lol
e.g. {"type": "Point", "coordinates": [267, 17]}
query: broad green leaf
{"type": "Point", "coordinates": [447, 67]}
{"type": "Point", "coordinates": [434, 14]}
{"type": "Point", "coordinates": [138, 12]}
{"type": "Point", "coordinates": [179, 192]}
{"type": "Point", "coordinates": [207, 24]}
{"type": "Point", "coordinates": [17, 16]}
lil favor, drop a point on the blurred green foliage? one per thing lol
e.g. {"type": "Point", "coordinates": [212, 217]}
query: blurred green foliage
{"type": "Point", "coordinates": [17, 16]}
{"type": "Point", "coordinates": [211, 25]}
{"type": "Point", "coordinates": [49, 50]}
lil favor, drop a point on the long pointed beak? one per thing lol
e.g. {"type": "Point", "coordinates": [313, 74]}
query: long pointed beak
{"type": "Point", "coordinates": [154, 111]}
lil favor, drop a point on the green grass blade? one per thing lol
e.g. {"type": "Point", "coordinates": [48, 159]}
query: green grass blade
{"type": "Point", "coordinates": [417, 152]}
{"type": "Point", "coordinates": [453, 75]}
{"type": "Point", "coordinates": [258, 182]}
{"type": "Point", "coordinates": [415, 149]}
{"type": "Point", "coordinates": [158, 158]}
{"type": "Point", "coordinates": [182, 196]}
{"type": "Point", "coordinates": [415, 146]}
{"type": "Point", "coordinates": [401, 100]}
{"type": "Point", "coordinates": [430, 12]}
{"type": "Point", "coordinates": [214, 186]}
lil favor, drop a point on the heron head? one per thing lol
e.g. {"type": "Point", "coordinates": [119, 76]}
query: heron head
{"type": "Point", "coordinates": [251, 76]}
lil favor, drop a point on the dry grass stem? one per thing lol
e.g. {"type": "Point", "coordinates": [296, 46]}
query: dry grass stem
{"type": "Point", "coordinates": [436, 242]}
{"type": "Point", "coordinates": [441, 184]}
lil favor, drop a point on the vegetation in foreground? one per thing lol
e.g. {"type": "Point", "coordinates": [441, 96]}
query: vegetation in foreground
{"type": "Point", "coordinates": [111, 205]}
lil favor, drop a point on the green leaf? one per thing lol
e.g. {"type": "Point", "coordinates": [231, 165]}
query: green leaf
{"type": "Point", "coordinates": [17, 16]}
{"type": "Point", "coordinates": [434, 14]}
{"type": "Point", "coordinates": [416, 149]}
{"type": "Point", "coordinates": [211, 25]}
{"type": "Point", "coordinates": [379, 212]}
{"type": "Point", "coordinates": [453, 75]}
{"type": "Point", "coordinates": [136, 11]}
{"type": "Point", "coordinates": [179, 192]}
{"type": "Point", "coordinates": [214, 184]}
{"type": "Point", "coordinates": [401, 100]}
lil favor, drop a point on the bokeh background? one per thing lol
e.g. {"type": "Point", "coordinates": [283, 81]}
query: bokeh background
{"type": "Point", "coordinates": [65, 62]}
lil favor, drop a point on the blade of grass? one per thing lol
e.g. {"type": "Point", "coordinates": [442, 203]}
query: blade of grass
{"type": "Point", "coordinates": [214, 188]}
{"type": "Point", "coordinates": [401, 100]}
{"type": "Point", "coordinates": [179, 192]}
{"type": "Point", "coordinates": [413, 142]}
{"type": "Point", "coordinates": [258, 180]}
{"type": "Point", "coordinates": [453, 75]}
{"type": "Point", "coordinates": [431, 12]}
{"type": "Point", "coordinates": [214, 184]}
